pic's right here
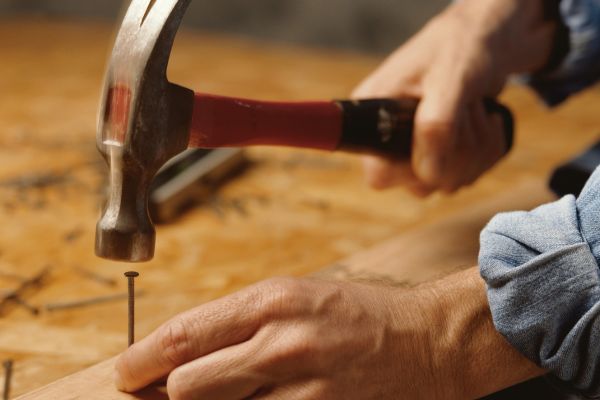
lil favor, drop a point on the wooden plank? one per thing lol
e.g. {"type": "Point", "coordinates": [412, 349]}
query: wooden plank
{"type": "Point", "coordinates": [301, 210]}
{"type": "Point", "coordinates": [428, 252]}
{"type": "Point", "coordinates": [94, 383]}
{"type": "Point", "coordinates": [420, 255]}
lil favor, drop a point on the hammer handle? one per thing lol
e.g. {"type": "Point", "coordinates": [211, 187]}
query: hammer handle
{"type": "Point", "coordinates": [376, 126]}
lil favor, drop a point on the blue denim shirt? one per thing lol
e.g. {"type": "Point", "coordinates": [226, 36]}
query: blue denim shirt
{"type": "Point", "coordinates": [542, 267]}
{"type": "Point", "coordinates": [581, 67]}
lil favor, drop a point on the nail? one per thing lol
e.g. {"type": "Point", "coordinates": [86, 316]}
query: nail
{"type": "Point", "coordinates": [8, 369]}
{"type": "Point", "coordinates": [96, 277]}
{"type": "Point", "coordinates": [131, 275]}
{"type": "Point", "coordinates": [32, 309]}
{"type": "Point", "coordinates": [92, 301]}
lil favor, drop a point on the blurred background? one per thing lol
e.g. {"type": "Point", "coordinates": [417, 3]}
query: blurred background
{"type": "Point", "coordinates": [374, 26]}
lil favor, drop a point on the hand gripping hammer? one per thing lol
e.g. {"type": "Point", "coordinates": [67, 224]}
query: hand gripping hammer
{"type": "Point", "coordinates": [145, 120]}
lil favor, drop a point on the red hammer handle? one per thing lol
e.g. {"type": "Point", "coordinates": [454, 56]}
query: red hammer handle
{"type": "Point", "coordinates": [378, 126]}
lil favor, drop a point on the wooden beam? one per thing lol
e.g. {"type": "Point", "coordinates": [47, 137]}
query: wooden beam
{"type": "Point", "coordinates": [420, 255]}
{"type": "Point", "coordinates": [95, 383]}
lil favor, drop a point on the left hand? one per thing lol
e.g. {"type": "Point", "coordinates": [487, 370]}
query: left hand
{"type": "Point", "coordinates": [293, 339]}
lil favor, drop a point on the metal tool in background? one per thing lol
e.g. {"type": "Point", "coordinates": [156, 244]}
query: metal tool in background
{"type": "Point", "coordinates": [145, 120]}
{"type": "Point", "coordinates": [190, 178]}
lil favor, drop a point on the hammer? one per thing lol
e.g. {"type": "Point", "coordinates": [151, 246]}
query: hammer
{"type": "Point", "coordinates": [145, 120]}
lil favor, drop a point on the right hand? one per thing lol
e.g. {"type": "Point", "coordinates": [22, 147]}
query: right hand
{"type": "Point", "coordinates": [462, 56]}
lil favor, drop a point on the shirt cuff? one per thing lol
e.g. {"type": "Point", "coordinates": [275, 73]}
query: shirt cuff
{"type": "Point", "coordinates": [543, 279]}
{"type": "Point", "coordinates": [580, 67]}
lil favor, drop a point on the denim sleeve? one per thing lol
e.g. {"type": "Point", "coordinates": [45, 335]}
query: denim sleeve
{"type": "Point", "coordinates": [542, 275]}
{"type": "Point", "coordinates": [580, 67]}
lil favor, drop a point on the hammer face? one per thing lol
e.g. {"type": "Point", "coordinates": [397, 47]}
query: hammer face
{"type": "Point", "coordinates": [157, 131]}
{"type": "Point", "coordinates": [143, 122]}
{"type": "Point", "coordinates": [125, 231]}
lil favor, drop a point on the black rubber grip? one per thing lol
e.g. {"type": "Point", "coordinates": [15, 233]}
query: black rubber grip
{"type": "Point", "coordinates": [385, 126]}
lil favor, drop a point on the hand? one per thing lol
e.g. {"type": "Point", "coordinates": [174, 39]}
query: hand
{"type": "Point", "coordinates": [293, 339]}
{"type": "Point", "coordinates": [460, 57]}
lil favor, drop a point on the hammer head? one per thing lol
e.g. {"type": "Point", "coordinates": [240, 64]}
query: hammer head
{"type": "Point", "coordinates": [143, 122]}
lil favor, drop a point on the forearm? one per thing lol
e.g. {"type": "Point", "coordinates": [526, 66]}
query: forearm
{"type": "Point", "coordinates": [473, 358]}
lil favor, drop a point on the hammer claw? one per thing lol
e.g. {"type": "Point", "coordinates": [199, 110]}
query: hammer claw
{"type": "Point", "coordinates": [141, 12]}
{"type": "Point", "coordinates": [137, 12]}
{"type": "Point", "coordinates": [152, 2]}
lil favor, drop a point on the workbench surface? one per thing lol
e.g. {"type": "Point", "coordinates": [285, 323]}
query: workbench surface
{"type": "Point", "coordinates": [290, 213]}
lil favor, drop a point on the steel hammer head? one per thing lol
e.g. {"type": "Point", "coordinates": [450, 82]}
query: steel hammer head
{"type": "Point", "coordinates": [143, 122]}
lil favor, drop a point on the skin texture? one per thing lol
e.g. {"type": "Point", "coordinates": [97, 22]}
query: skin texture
{"type": "Point", "coordinates": [461, 56]}
{"type": "Point", "coordinates": [298, 339]}
{"type": "Point", "coordinates": [312, 339]}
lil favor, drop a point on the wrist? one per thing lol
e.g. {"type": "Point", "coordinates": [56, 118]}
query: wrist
{"type": "Point", "coordinates": [422, 324]}
{"type": "Point", "coordinates": [470, 358]}
{"type": "Point", "coordinates": [517, 35]}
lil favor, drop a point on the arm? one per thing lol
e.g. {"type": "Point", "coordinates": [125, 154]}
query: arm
{"type": "Point", "coordinates": [478, 360]}
{"type": "Point", "coordinates": [542, 272]}
{"type": "Point", "coordinates": [311, 339]}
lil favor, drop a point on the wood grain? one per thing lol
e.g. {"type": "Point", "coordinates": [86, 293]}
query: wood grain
{"type": "Point", "coordinates": [94, 383]}
{"type": "Point", "coordinates": [419, 255]}
{"type": "Point", "coordinates": [300, 210]}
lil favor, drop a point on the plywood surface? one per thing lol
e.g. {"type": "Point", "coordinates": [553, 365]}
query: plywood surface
{"type": "Point", "coordinates": [402, 262]}
{"type": "Point", "coordinates": [300, 210]}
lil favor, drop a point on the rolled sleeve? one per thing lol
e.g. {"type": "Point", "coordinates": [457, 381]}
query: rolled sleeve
{"type": "Point", "coordinates": [580, 67]}
{"type": "Point", "coordinates": [541, 269]}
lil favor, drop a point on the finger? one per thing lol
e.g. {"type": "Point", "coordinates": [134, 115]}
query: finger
{"type": "Point", "coordinates": [227, 374]}
{"type": "Point", "coordinates": [274, 356]}
{"type": "Point", "coordinates": [398, 76]}
{"type": "Point", "coordinates": [487, 146]}
{"type": "Point", "coordinates": [497, 145]}
{"type": "Point", "coordinates": [382, 173]}
{"type": "Point", "coordinates": [419, 190]}
{"type": "Point", "coordinates": [490, 133]}
{"type": "Point", "coordinates": [222, 323]}
{"type": "Point", "coordinates": [301, 390]}
{"type": "Point", "coordinates": [465, 156]}
{"type": "Point", "coordinates": [436, 128]}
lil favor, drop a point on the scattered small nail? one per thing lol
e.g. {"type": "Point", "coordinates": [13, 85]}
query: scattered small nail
{"type": "Point", "coordinates": [8, 369]}
{"type": "Point", "coordinates": [96, 277]}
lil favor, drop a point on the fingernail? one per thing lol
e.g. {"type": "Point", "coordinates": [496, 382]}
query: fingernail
{"type": "Point", "coordinates": [118, 381]}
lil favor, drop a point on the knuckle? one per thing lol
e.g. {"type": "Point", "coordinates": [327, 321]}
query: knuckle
{"type": "Point", "coordinates": [281, 297]}
{"type": "Point", "coordinates": [174, 342]}
{"type": "Point", "coordinates": [302, 347]}
{"type": "Point", "coordinates": [434, 129]}
{"type": "Point", "coordinates": [284, 289]}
